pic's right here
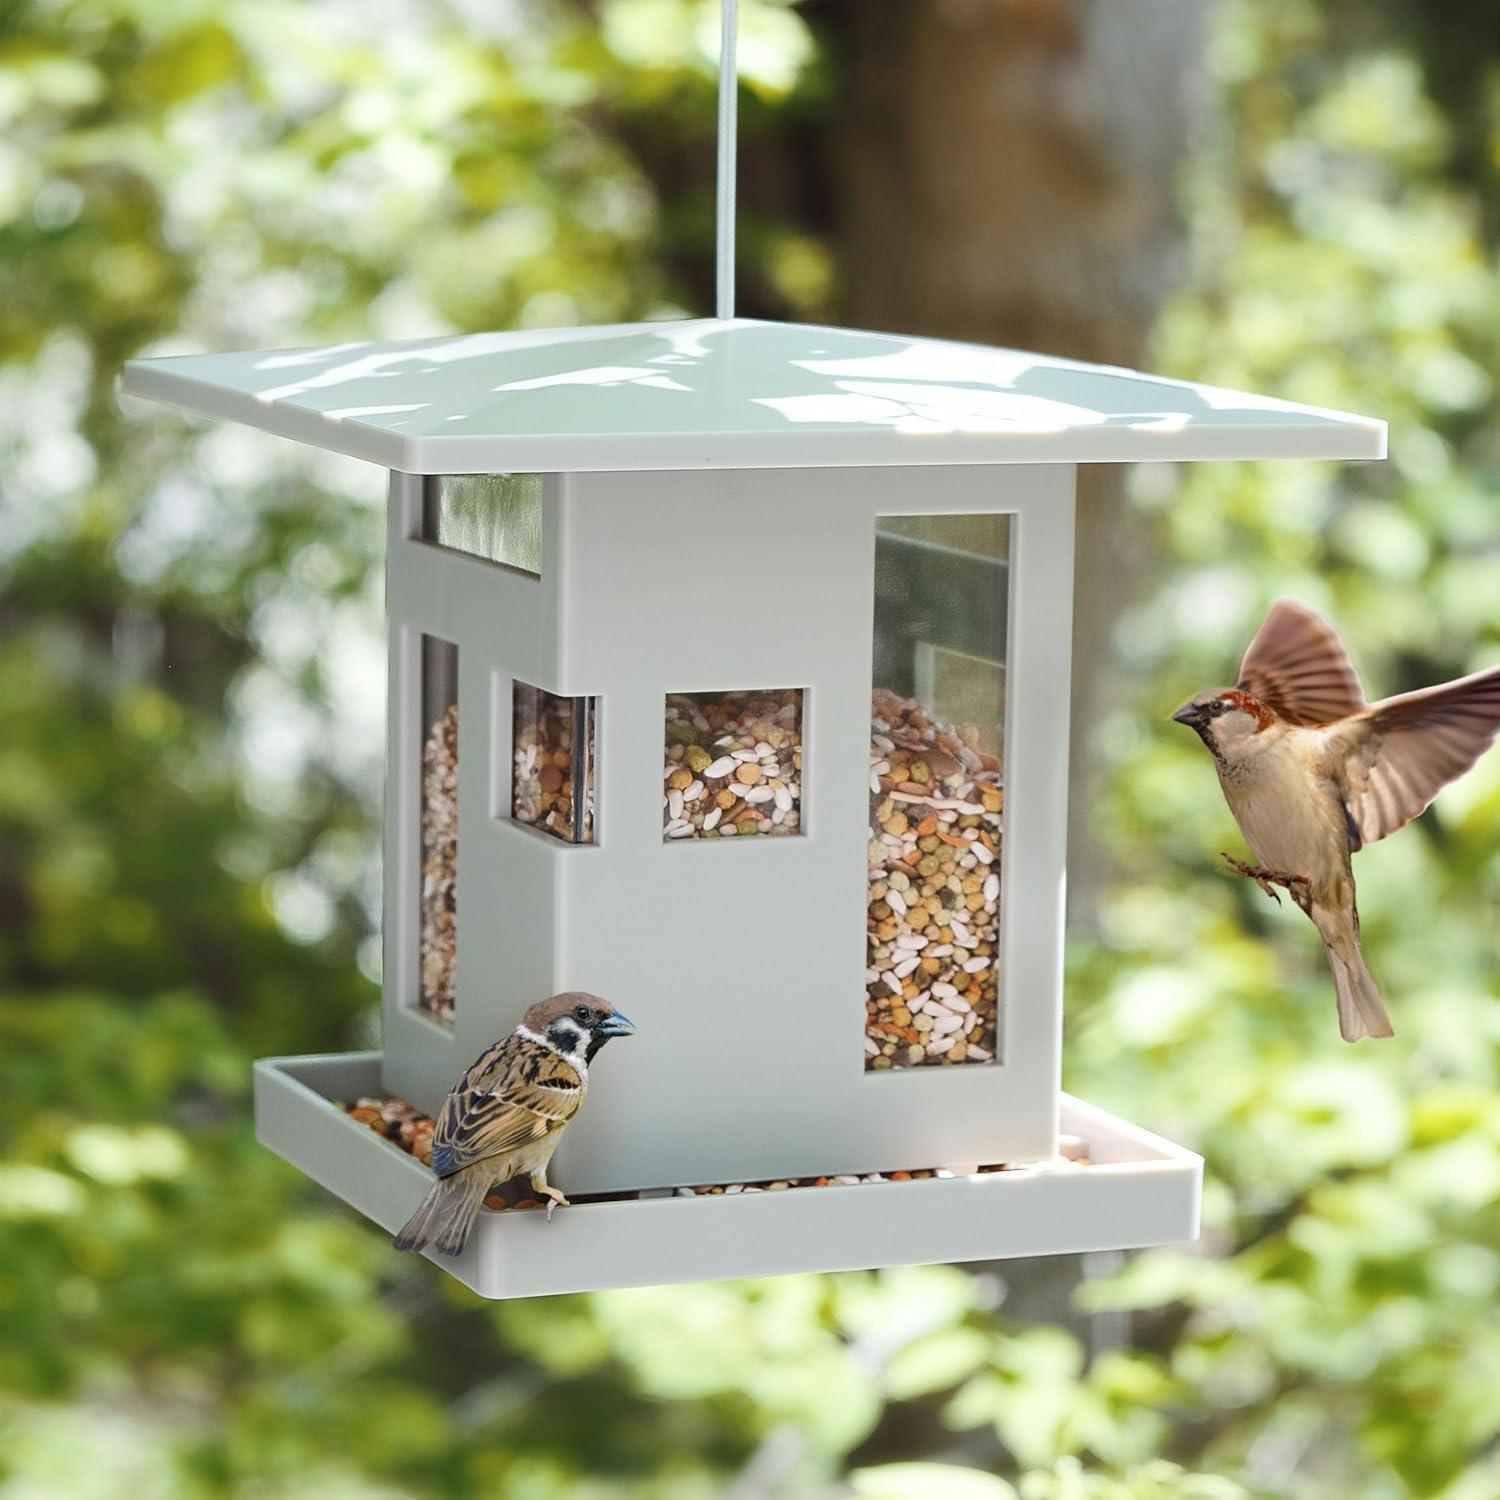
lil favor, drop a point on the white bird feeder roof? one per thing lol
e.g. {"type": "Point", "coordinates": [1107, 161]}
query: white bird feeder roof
{"type": "Point", "coordinates": [710, 393]}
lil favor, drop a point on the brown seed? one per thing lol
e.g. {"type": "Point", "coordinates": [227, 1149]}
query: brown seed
{"type": "Point", "coordinates": [748, 774]}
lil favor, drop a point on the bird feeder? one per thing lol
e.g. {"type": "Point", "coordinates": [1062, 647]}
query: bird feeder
{"type": "Point", "coordinates": [729, 672]}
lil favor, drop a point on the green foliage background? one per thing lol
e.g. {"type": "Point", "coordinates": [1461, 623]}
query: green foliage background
{"type": "Point", "coordinates": [190, 685]}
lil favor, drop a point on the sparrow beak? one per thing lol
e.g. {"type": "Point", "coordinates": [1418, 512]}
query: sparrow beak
{"type": "Point", "coordinates": [1189, 714]}
{"type": "Point", "coordinates": [617, 1025]}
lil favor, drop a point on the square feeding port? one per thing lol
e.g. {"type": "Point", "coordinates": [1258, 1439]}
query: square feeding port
{"type": "Point", "coordinates": [552, 755]}
{"type": "Point", "coordinates": [732, 765]}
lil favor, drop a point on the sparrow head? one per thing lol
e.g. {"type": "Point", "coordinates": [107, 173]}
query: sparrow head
{"type": "Point", "coordinates": [1226, 720]}
{"type": "Point", "coordinates": [576, 1024]}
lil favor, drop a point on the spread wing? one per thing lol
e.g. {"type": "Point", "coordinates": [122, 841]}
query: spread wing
{"type": "Point", "coordinates": [513, 1096]}
{"type": "Point", "coordinates": [1402, 752]}
{"type": "Point", "coordinates": [1298, 668]}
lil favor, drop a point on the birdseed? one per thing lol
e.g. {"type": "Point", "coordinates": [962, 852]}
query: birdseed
{"type": "Point", "coordinates": [732, 765]}
{"type": "Point", "coordinates": [403, 1125]}
{"type": "Point", "coordinates": [439, 900]}
{"type": "Point", "coordinates": [936, 815]}
{"type": "Point", "coordinates": [542, 736]}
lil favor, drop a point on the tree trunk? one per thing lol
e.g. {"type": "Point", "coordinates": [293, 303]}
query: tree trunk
{"type": "Point", "coordinates": [1005, 172]}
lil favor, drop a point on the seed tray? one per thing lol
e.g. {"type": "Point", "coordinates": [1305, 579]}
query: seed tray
{"type": "Point", "coordinates": [1137, 1190]}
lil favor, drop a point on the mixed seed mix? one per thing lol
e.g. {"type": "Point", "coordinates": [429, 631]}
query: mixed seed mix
{"type": "Point", "coordinates": [545, 795]}
{"type": "Point", "coordinates": [936, 810]}
{"type": "Point", "coordinates": [733, 766]}
{"type": "Point", "coordinates": [439, 865]}
{"type": "Point", "coordinates": [398, 1122]}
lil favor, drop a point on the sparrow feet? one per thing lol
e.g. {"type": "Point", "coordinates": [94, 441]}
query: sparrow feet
{"type": "Point", "coordinates": [1297, 885]}
{"type": "Point", "coordinates": [554, 1197]}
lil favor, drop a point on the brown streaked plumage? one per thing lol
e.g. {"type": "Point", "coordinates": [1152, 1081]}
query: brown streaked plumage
{"type": "Point", "coordinates": [506, 1115]}
{"type": "Point", "coordinates": [1312, 774]}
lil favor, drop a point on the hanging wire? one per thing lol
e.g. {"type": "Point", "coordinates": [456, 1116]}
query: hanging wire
{"type": "Point", "coordinates": [728, 129]}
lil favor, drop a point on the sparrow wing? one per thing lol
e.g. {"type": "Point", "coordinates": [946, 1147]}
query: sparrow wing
{"type": "Point", "coordinates": [517, 1093]}
{"type": "Point", "coordinates": [1298, 668]}
{"type": "Point", "coordinates": [1403, 751]}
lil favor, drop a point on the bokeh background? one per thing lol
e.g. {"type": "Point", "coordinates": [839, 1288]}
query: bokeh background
{"type": "Point", "coordinates": [1296, 198]}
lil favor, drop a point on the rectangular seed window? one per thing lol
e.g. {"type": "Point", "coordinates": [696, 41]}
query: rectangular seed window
{"type": "Point", "coordinates": [937, 794]}
{"type": "Point", "coordinates": [733, 764]}
{"type": "Point", "coordinates": [497, 517]}
{"type": "Point", "coordinates": [438, 896]}
{"type": "Point", "coordinates": [552, 784]}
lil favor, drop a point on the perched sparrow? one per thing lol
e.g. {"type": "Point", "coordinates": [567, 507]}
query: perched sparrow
{"type": "Point", "coordinates": [1312, 773]}
{"type": "Point", "coordinates": [505, 1116]}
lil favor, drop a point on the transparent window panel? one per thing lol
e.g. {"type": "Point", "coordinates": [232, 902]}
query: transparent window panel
{"type": "Point", "coordinates": [937, 791]}
{"type": "Point", "coordinates": [732, 765]}
{"type": "Point", "coordinates": [497, 517]}
{"type": "Point", "coordinates": [438, 894]}
{"type": "Point", "coordinates": [552, 784]}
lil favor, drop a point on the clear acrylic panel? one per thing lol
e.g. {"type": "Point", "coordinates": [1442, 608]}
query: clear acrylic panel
{"type": "Point", "coordinates": [937, 793]}
{"type": "Point", "coordinates": [732, 765]}
{"type": "Point", "coordinates": [497, 517]}
{"type": "Point", "coordinates": [438, 893]}
{"type": "Point", "coordinates": [552, 784]}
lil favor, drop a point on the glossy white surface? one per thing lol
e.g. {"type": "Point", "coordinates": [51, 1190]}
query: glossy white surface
{"type": "Point", "coordinates": [1140, 1191]}
{"type": "Point", "coordinates": [705, 393]}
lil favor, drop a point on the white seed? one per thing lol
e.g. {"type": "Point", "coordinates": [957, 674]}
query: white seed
{"type": "Point", "coordinates": [880, 768]}
{"type": "Point", "coordinates": [870, 1047]}
{"type": "Point", "coordinates": [991, 887]}
{"type": "Point", "coordinates": [947, 991]}
{"type": "Point", "coordinates": [680, 830]}
{"type": "Point", "coordinates": [897, 902]}
{"type": "Point", "coordinates": [744, 756]}
{"type": "Point", "coordinates": [674, 805]}
{"type": "Point", "coordinates": [976, 965]}
{"type": "Point", "coordinates": [946, 1024]}
{"type": "Point", "coordinates": [721, 767]}
{"type": "Point", "coordinates": [957, 1002]}
{"type": "Point", "coordinates": [979, 1054]}
{"type": "Point", "coordinates": [971, 1020]}
{"type": "Point", "coordinates": [905, 967]}
{"type": "Point", "coordinates": [784, 798]}
{"type": "Point", "coordinates": [938, 1010]}
{"type": "Point", "coordinates": [882, 742]}
{"type": "Point", "coordinates": [939, 1045]}
{"type": "Point", "coordinates": [712, 820]}
{"type": "Point", "coordinates": [941, 951]}
{"type": "Point", "coordinates": [892, 983]}
{"type": "Point", "coordinates": [982, 854]}
{"type": "Point", "coordinates": [778, 817]}
{"type": "Point", "coordinates": [694, 791]}
{"type": "Point", "coordinates": [763, 750]}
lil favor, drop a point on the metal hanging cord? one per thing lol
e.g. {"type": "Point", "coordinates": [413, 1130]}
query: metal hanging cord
{"type": "Point", "coordinates": [728, 130]}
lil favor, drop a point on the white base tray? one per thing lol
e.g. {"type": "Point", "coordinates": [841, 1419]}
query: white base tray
{"type": "Point", "coordinates": [1139, 1190]}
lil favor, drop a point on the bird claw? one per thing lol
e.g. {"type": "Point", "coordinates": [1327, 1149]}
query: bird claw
{"type": "Point", "coordinates": [1297, 885]}
{"type": "Point", "coordinates": [555, 1200]}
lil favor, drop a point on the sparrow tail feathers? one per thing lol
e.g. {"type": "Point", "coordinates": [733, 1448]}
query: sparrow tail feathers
{"type": "Point", "coordinates": [446, 1214]}
{"type": "Point", "coordinates": [1361, 1011]}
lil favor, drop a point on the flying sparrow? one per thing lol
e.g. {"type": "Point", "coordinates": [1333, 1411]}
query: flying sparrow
{"type": "Point", "coordinates": [1312, 773]}
{"type": "Point", "coordinates": [505, 1116]}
